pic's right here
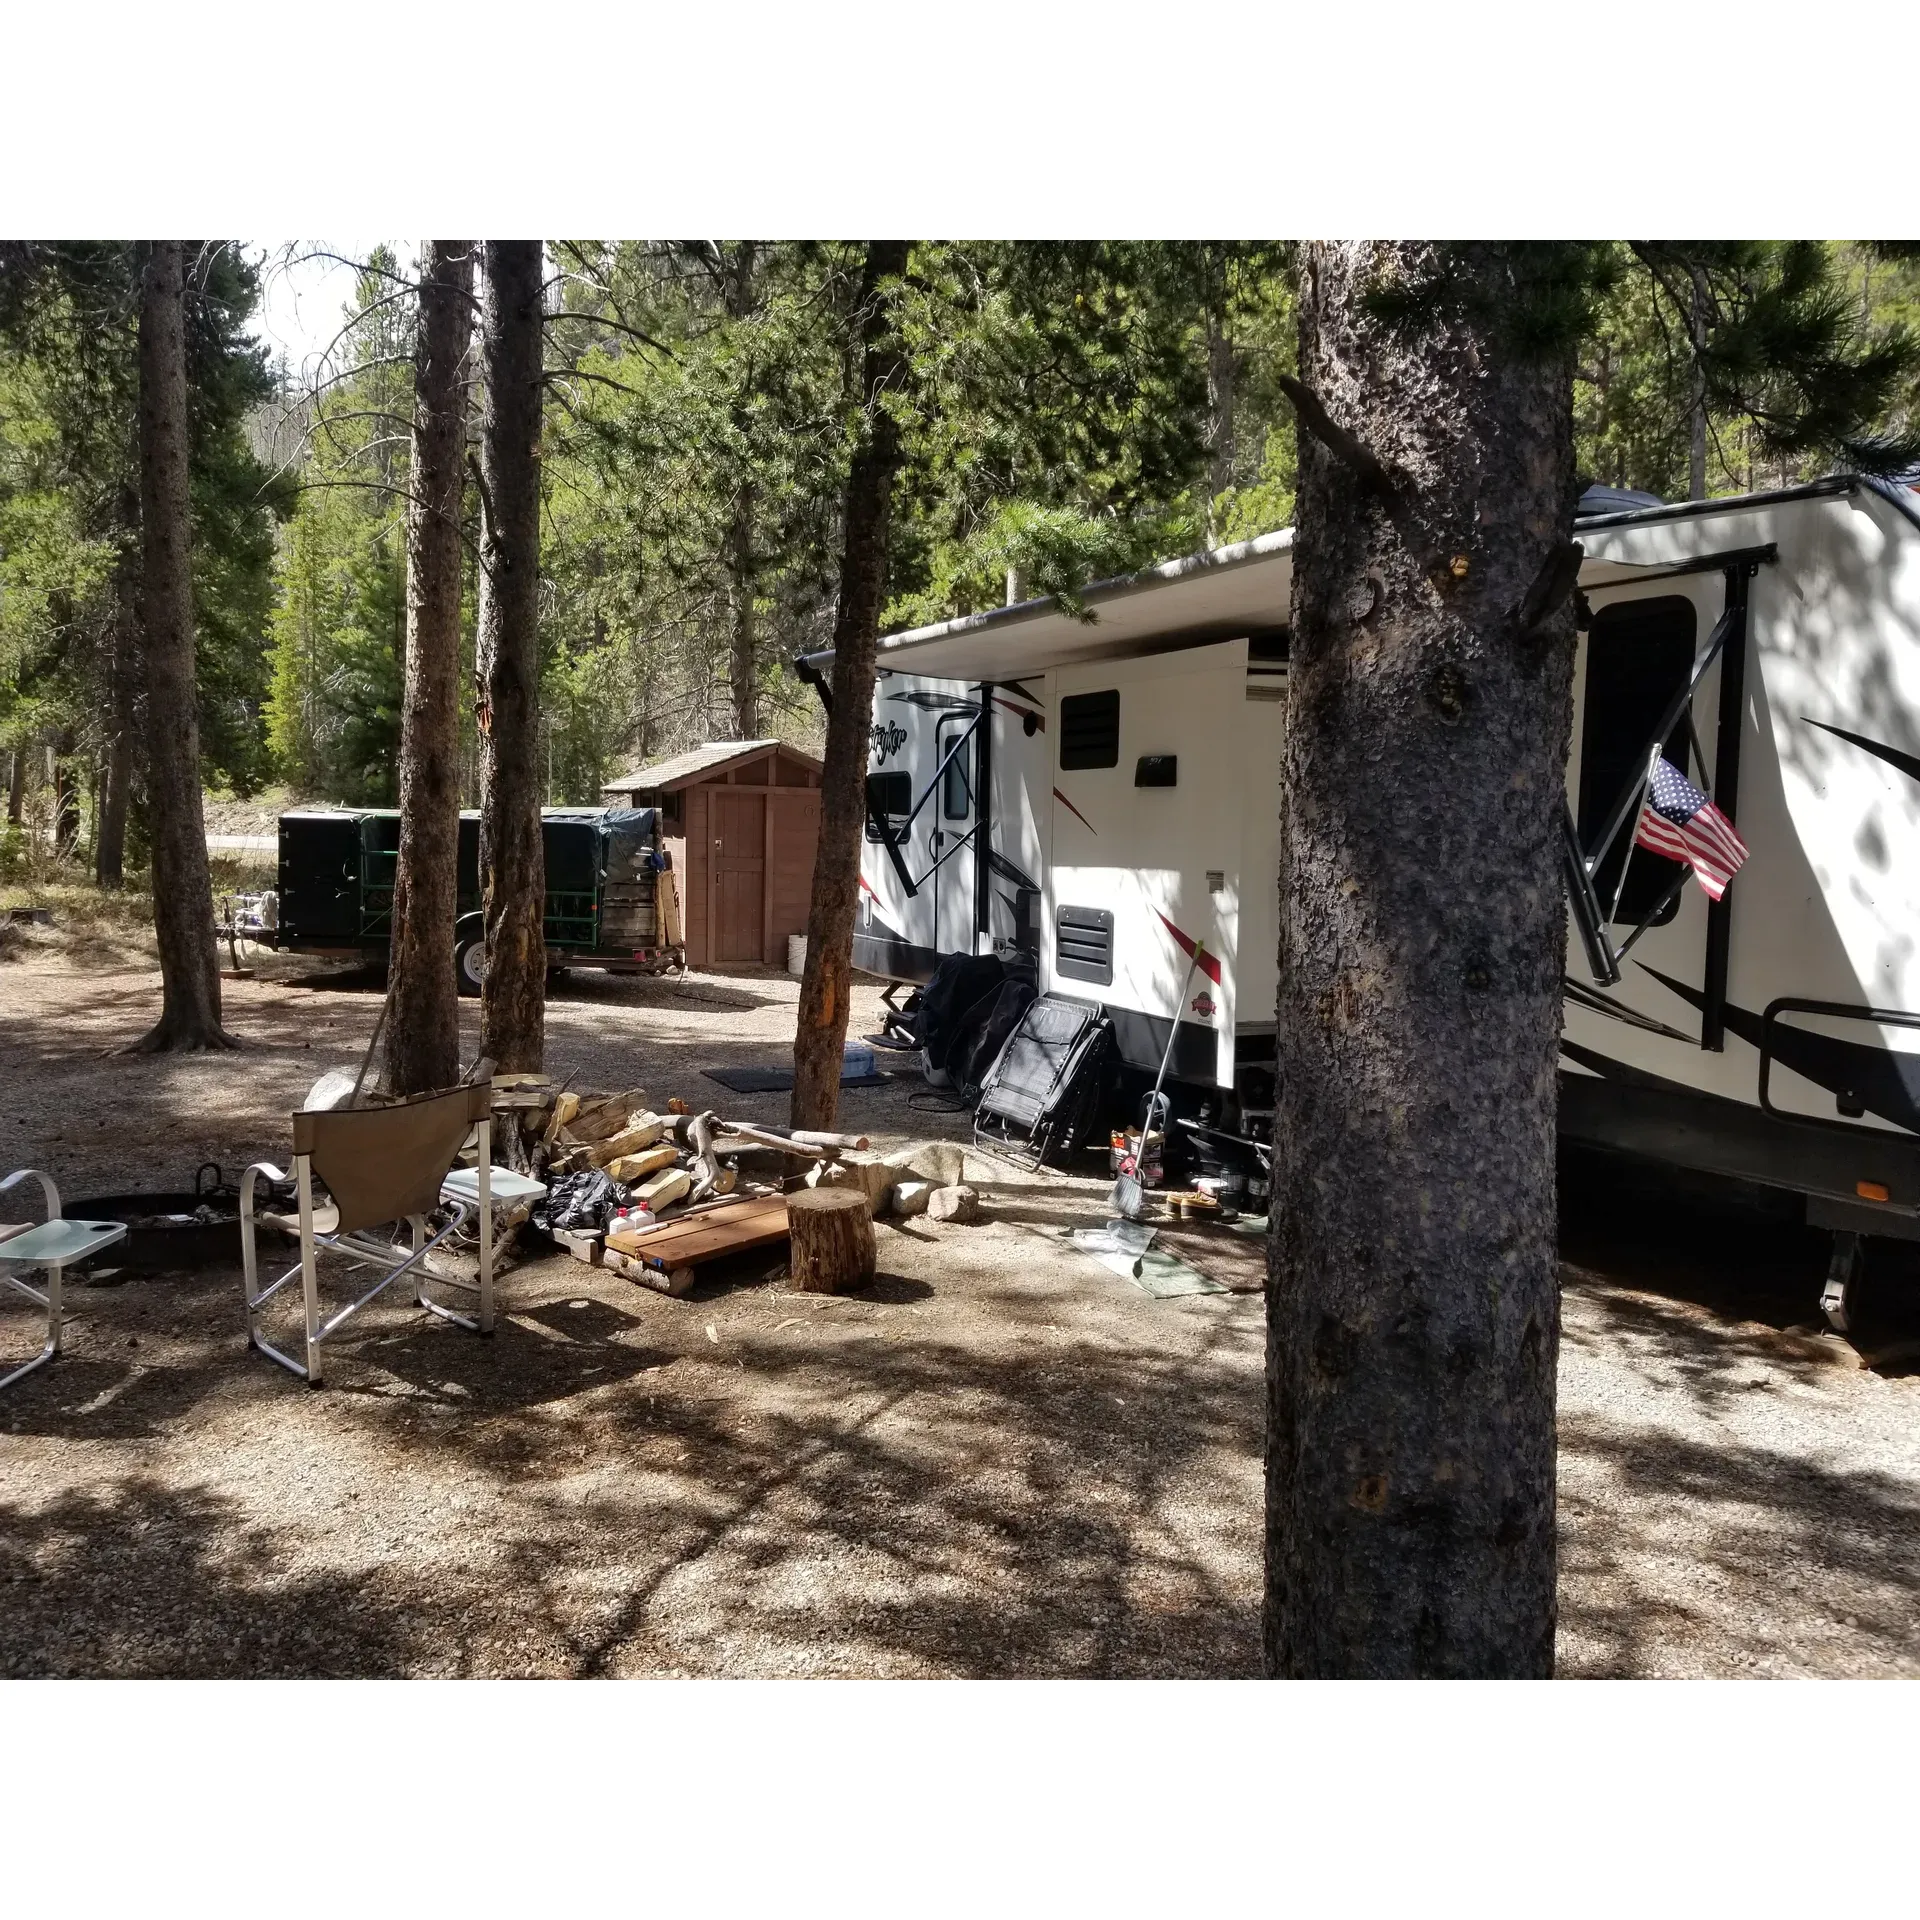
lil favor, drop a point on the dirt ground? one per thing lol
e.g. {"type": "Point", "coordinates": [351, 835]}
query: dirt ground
{"type": "Point", "coordinates": [999, 1460]}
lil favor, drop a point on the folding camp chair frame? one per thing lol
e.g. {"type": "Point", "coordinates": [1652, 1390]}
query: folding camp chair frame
{"type": "Point", "coordinates": [55, 1246]}
{"type": "Point", "coordinates": [364, 1250]}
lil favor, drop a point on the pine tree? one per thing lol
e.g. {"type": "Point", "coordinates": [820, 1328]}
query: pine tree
{"type": "Point", "coordinates": [1412, 1316]}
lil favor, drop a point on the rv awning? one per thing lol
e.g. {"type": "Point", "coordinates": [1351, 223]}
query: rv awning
{"type": "Point", "coordinates": [1208, 596]}
{"type": "Point", "coordinates": [1247, 589]}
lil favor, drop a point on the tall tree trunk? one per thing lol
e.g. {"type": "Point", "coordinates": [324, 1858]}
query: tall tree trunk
{"type": "Point", "coordinates": [17, 784]}
{"type": "Point", "coordinates": [1222, 384]}
{"type": "Point", "coordinates": [423, 1016]}
{"type": "Point", "coordinates": [182, 888]}
{"type": "Point", "coordinates": [744, 651]}
{"type": "Point", "coordinates": [66, 793]}
{"type": "Point", "coordinates": [1413, 1317]}
{"type": "Point", "coordinates": [827, 984]}
{"type": "Point", "coordinates": [513, 860]}
{"type": "Point", "coordinates": [122, 742]}
{"type": "Point", "coordinates": [1697, 319]}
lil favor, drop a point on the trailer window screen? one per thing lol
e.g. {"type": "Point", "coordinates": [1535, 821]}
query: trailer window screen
{"type": "Point", "coordinates": [956, 799]}
{"type": "Point", "coordinates": [1639, 655]}
{"type": "Point", "coordinates": [1090, 730]}
{"type": "Point", "coordinates": [889, 797]}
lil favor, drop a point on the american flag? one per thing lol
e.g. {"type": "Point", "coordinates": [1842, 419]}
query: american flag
{"type": "Point", "coordinates": [1681, 822]}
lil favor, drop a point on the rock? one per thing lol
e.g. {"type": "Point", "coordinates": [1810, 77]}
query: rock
{"type": "Point", "coordinates": [957, 1203]}
{"type": "Point", "coordinates": [330, 1092]}
{"type": "Point", "coordinates": [875, 1178]}
{"type": "Point", "coordinates": [939, 1161]}
{"type": "Point", "coordinates": [910, 1197]}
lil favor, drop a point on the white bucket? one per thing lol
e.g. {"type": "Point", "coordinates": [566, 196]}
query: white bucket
{"type": "Point", "coordinates": [796, 953]}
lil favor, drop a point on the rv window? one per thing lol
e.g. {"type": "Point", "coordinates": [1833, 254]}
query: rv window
{"type": "Point", "coordinates": [956, 798]}
{"type": "Point", "coordinates": [1090, 730]}
{"type": "Point", "coordinates": [891, 796]}
{"type": "Point", "coordinates": [1639, 654]}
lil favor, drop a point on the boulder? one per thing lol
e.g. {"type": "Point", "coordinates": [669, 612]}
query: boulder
{"type": "Point", "coordinates": [956, 1203]}
{"type": "Point", "coordinates": [910, 1197]}
{"type": "Point", "coordinates": [876, 1178]}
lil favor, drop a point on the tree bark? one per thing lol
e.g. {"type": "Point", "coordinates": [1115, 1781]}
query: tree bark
{"type": "Point", "coordinates": [182, 887]}
{"type": "Point", "coordinates": [1697, 318]}
{"type": "Point", "coordinates": [831, 1245]}
{"type": "Point", "coordinates": [1413, 1315]}
{"type": "Point", "coordinates": [66, 793]}
{"type": "Point", "coordinates": [743, 651]}
{"type": "Point", "coordinates": [110, 829]}
{"type": "Point", "coordinates": [820, 1037]}
{"type": "Point", "coordinates": [423, 1017]}
{"type": "Point", "coordinates": [512, 856]}
{"type": "Point", "coordinates": [17, 785]}
{"type": "Point", "coordinates": [743, 658]}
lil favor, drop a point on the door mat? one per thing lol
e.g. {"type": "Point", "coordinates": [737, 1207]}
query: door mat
{"type": "Point", "coordinates": [1124, 1249]}
{"type": "Point", "coordinates": [778, 1079]}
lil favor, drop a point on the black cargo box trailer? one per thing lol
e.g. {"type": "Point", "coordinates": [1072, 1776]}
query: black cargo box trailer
{"type": "Point", "coordinates": [612, 901]}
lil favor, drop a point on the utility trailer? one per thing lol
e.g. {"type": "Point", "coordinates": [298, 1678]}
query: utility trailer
{"type": "Point", "coordinates": [611, 896]}
{"type": "Point", "coordinates": [1097, 797]}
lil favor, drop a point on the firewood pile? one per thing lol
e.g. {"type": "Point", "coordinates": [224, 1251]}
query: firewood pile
{"type": "Point", "coordinates": [613, 1163]}
{"type": "Point", "coordinates": [610, 1159]}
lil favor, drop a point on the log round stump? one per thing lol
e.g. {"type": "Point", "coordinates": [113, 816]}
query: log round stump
{"type": "Point", "coordinates": [832, 1240]}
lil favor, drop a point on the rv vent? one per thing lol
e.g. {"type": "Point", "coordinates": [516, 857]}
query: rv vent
{"type": "Point", "coordinates": [1083, 944]}
{"type": "Point", "coordinates": [1090, 730]}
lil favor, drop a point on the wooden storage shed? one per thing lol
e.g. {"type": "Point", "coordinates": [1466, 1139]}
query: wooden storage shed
{"type": "Point", "coordinates": [741, 819]}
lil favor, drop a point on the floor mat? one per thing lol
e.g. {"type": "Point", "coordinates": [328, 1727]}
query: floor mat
{"type": "Point", "coordinates": [1153, 1270]}
{"type": "Point", "coordinates": [778, 1079]}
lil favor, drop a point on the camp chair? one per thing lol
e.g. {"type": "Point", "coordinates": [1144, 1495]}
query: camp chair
{"type": "Point", "coordinates": [53, 1246]}
{"type": "Point", "coordinates": [380, 1165]}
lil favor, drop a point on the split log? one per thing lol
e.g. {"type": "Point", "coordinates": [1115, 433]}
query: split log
{"type": "Point", "coordinates": [601, 1119]}
{"type": "Point", "coordinates": [665, 1188]}
{"type": "Point", "coordinates": [630, 1167]}
{"type": "Point", "coordinates": [832, 1240]}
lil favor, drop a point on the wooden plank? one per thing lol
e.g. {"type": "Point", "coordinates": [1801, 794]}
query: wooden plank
{"type": "Point", "coordinates": [706, 1236]}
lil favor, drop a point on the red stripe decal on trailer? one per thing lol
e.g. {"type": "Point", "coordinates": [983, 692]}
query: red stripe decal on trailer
{"type": "Point", "coordinates": [1077, 814]}
{"type": "Point", "coordinates": [1209, 965]}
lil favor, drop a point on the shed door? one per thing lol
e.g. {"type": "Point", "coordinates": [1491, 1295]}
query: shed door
{"type": "Point", "coordinates": [739, 873]}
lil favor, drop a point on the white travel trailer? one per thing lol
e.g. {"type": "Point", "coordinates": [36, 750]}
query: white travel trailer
{"type": "Point", "coordinates": [1101, 794]}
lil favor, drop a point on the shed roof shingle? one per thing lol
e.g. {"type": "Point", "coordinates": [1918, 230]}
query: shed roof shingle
{"type": "Point", "coordinates": [696, 761]}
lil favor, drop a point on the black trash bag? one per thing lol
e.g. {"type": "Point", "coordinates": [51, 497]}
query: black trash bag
{"type": "Point", "coordinates": [963, 985]}
{"type": "Point", "coordinates": [580, 1202]}
{"type": "Point", "coordinates": [982, 1033]}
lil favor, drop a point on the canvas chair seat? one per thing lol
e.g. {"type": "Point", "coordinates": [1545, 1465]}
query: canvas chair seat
{"type": "Point", "coordinates": [382, 1166]}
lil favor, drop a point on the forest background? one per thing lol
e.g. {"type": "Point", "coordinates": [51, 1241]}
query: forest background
{"type": "Point", "coordinates": [1074, 410]}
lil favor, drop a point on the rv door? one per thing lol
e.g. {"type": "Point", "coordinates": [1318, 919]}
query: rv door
{"type": "Point", "coordinates": [950, 815]}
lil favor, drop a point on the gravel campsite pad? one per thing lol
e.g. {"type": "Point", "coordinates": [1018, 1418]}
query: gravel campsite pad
{"type": "Point", "coordinates": [1000, 1459]}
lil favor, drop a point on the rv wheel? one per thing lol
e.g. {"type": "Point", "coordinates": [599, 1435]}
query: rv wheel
{"type": "Point", "coordinates": [470, 964]}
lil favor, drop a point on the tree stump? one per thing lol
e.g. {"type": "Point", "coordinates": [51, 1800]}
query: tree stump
{"type": "Point", "coordinates": [832, 1240]}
